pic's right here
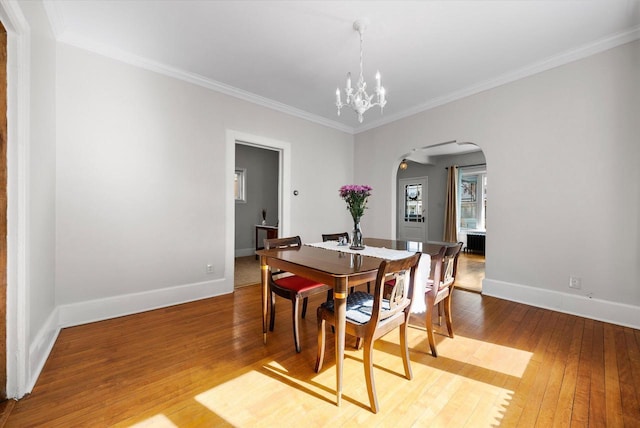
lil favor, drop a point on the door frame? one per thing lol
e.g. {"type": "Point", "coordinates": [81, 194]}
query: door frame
{"type": "Point", "coordinates": [18, 377]}
{"type": "Point", "coordinates": [284, 188]}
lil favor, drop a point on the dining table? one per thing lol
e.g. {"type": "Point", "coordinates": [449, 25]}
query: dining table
{"type": "Point", "coordinates": [341, 269]}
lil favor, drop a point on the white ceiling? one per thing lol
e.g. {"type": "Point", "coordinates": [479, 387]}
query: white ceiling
{"type": "Point", "coordinates": [291, 55]}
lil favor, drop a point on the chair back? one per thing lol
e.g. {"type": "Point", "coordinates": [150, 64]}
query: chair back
{"type": "Point", "coordinates": [335, 237]}
{"type": "Point", "coordinates": [401, 275]}
{"type": "Point", "coordinates": [290, 242]}
{"type": "Point", "coordinates": [445, 265]}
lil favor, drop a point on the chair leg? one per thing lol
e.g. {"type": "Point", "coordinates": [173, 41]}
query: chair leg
{"type": "Point", "coordinates": [429, 326]}
{"type": "Point", "coordinates": [294, 311]}
{"type": "Point", "coordinates": [304, 307]}
{"type": "Point", "coordinates": [272, 319]}
{"type": "Point", "coordinates": [440, 313]}
{"type": "Point", "coordinates": [321, 340]}
{"type": "Point", "coordinates": [447, 315]}
{"type": "Point", "coordinates": [404, 348]}
{"type": "Point", "coordinates": [368, 375]}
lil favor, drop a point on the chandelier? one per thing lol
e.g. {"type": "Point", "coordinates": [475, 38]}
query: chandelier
{"type": "Point", "coordinates": [359, 100]}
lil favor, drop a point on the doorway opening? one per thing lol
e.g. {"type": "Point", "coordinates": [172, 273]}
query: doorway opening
{"type": "Point", "coordinates": [422, 183]}
{"type": "Point", "coordinates": [279, 215]}
{"type": "Point", "coordinates": [257, 216]}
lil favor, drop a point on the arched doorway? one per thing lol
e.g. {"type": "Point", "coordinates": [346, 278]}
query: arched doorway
{"type": "Point", "coordinates": [422, 184]}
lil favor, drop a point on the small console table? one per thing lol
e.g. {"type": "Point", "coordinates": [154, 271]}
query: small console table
{"type": "Point", "coordinates": [272, 232]}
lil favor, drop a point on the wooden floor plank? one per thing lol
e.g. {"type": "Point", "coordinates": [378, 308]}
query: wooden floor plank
{"type": "Point", "coordinates": [543, 355]}
{"type": "Point", "coordinates": [630, 406]}
{"type": "Point", "coordinates": [633, 351]}
{"type": "Point", "coordinates": [552, 388]}
{"type": "Point", "coordinates": [564, 406]}
{"type": "Point", "coordinates": [580, 413]}
{"type": "Point", "coordinates": [613, 403]}
{"type": "Point", "coordinates": [204, 364]}
{"type": "Point", "coordinates": [597, 404]}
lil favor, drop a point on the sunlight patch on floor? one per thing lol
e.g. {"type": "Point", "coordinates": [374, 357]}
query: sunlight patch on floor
{"type": "Point", "coordinates": [454, 399]}
{"type": "Point", "coordinates": [259, 392]}
{"type": "Point", "coordinates": [224, 398]}
{"type": "Point", "coordinates": [157, 421]}
{"type": "Point", "coordinates": [470, 380]}
{"type": "Point", "coordinates": [490, 356]}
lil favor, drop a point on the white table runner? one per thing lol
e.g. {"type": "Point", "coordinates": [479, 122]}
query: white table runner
{"type": "Point", "coordinates": [422, 272]}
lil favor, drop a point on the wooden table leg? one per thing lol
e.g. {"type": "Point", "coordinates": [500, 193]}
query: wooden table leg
{"type": "Point", "coordinates": [264, 270]}
{"type": "Point", "coordinates": [340, 302]}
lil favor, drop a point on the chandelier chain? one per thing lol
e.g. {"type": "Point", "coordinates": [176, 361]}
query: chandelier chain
{"type": "Point", "coordinates": [359, 100]}
{"type": "Point", "coordinates": [361, 68]}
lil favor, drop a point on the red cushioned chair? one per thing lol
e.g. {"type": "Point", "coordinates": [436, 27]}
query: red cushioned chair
{"type": "Point", "coordinates": [291, 287]}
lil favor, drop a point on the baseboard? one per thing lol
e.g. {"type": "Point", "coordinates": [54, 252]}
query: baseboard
{"type": "Point", "coordinates": [127, 304]}
{"type": "Point", "coordinates": [41, 347]}
{"type": "Point", "coordinates": [596, 309]}
{"type": "Point", "coordinates": [244, 252]}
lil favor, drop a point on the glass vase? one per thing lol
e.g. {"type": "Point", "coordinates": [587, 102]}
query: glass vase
{"type": "Point", "coordinates": [357, 242]}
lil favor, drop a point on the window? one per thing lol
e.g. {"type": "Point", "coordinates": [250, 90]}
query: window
{"type": "Point", "coordinates": [413, 203]}
{"type": "Point", "coordinates": [239, 185]}
{"type": "Point", "coordinates": [473, 200]}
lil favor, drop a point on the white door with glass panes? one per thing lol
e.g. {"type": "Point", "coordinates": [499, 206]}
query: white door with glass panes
{"type": "Point", "coordinates": [412, 209]}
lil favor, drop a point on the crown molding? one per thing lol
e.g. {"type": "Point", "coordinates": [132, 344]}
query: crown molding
{"type": "Point", "coordinates": [530, 70]}
{"type": "Point", "coordinates": [63, 35]}
{"type": "Point", "coordinates": [196, 79]}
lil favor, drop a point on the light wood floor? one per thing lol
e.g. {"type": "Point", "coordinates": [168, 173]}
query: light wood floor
{"type": "Point", "coordinates": [204, 364]}
{"type": "Point", "coordinates": [246, 271]}
{"type": "Point", "coordinates": [470, 272]}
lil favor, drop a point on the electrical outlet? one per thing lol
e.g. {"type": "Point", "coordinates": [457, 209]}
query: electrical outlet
{"type": "Point", "coordinates": [575, 282]}
{"type": "Point", "coordinates": [209, 268]}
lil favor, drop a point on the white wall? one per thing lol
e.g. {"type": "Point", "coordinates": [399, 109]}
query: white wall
{"type": "Point", "coordinates": [562, 152]}
{"type": "Point", "coordinates": [42, 154]}
{"type": "Point", "coordinates": [141, 182]}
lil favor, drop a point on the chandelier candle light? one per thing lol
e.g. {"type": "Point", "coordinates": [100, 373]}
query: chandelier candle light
{"type": "Point", "coordinates": [359, 100]}
{"type": "Point", "coordinates": [355, 195]}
